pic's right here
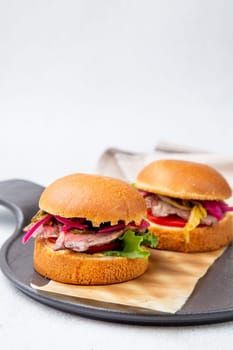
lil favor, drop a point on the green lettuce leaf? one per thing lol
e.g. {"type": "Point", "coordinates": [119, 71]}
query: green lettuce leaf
{"type": "Point", "coordinates": [131, 245]}
{"type": "Point", "coordinates": [150, 240]}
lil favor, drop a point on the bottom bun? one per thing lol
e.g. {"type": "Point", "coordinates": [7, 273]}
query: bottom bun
{"type": "Point", "coordinates": [201, 239]}
{"type": "Point", "coordinates": [84, 269]}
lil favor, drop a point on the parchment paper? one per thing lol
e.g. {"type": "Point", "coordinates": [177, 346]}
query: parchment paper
{"type": "Point", "coordinates": [165, 287]}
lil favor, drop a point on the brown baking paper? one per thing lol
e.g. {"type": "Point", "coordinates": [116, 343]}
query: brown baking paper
{"type": "Point", "coordinates": [165, 286]}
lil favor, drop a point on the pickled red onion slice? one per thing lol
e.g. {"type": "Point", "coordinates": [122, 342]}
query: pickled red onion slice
{"type": "Point", "coordinates": [71, 223]}
{"type": "Point", "coordinates": [30, 232]}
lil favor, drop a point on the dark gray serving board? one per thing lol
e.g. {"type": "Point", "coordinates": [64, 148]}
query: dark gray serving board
{"type": "Point", "coordinates": [211, 301]}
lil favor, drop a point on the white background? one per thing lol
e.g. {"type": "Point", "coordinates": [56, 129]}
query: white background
{"type": "Point", "coordinates": [79, 76]}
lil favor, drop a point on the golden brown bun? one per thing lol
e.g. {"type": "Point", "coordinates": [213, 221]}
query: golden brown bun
{"type": "Point", "coordinates": [183, 179]}
{"type": "Point", "coordinates": [96, 198]}
{"type": "Point", "coordinates": [85, 269]}
{"type": "Point", "coordinates": [201, 239]}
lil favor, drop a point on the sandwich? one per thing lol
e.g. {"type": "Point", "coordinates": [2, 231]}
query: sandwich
{"type": "Point", "coordinates": [90, 230]}
{"type": "Point", "coordinates": [186, 205]}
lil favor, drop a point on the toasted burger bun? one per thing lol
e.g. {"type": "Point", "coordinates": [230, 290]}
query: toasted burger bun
{"type": "Point", "coordinates": [183, 179]}
{"type": "Point", "coordinates": [96, 198]}
{"type": "Point", "coordinates": [84, 269]}
{"type": "Point", "coordinates": [188, 180]}
{"type": "Point", "coordinates": [201, 239]}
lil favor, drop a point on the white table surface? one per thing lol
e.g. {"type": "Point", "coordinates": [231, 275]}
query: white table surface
{"type": "Point", "coordinates": [77, 77]}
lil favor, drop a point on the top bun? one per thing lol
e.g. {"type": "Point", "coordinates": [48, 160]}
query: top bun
{"type": "Point", "coordinates": [96, 198]}
{"type": "Point", "coordinates": [183, 179]}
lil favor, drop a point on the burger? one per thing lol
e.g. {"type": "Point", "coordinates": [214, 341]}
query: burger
{"type": "Point", "coordinates": [90, 230]}
{"type": "Point", "coordinates": [186, 206]}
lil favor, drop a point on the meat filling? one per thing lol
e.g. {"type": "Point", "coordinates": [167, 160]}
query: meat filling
{"type": "Point", "coordinates": [162, 208]}
{"type": "Point", "coordinates": [78, 240]}
{"type": "Point", "coordinates": [82, 242]}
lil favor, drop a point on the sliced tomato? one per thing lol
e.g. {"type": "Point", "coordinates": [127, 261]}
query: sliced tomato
{"type": "Point", "coordinates": [52, 239]}
{"type": "Point", "coordinates": [102, 248]}
{"type": "Point", "coordinates": [170, 220]}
